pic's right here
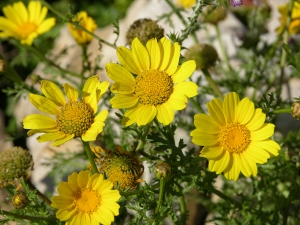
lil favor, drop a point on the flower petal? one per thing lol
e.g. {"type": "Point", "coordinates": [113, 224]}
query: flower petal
{"type": "Point", "coordinates": [146, 115]}
{"type": "Point", "coordinates": [266, 131]}
{"type": "Point", "coordinates": [174, 58]}
{"type": "Point", "coordinates": [203, 139]}
{"type": "Point", "coordinates": [233, 169]}
{"type": "Point", "coordinates": [184, 71]}
{"type": "Point", "coordinates": [257, 120]}
{"type": "Point", "coordinates": [131, 115]}
{"type": "Point", "coordinates": [256, 154]}
{"type": "Point", "coordinates": [71, 92]}
{"type": "Point", "coordinates": [248, 167]}
{"type": "Point", "coordinates": [215, 110]}
{"type": "Point", "coordinates": [165, 114]}
{"type": "Point", "coordinates": [125, 57]}
{"type": "Point", "coordinates": [244, 111]}
{"type": "Point", "coordinates": [165, 51]}
{"type": "Point", "coordinates": [205, 124]}
{"type": "Point", "coordinates": [46, 25]}
{"type": "Point", "coordinates": [269, 145]}
{"type": "Point", "coordinates": [230, 103]}
{"type": "Point", "coordinates": [51, 136]}
{"type": "Point", "coordinates": [123, 101]}
{"type": "Point", "coordinates": [188, 88]}
{"type": "Point", "coordinates": [211, 152]}
{"type": "Point", "coordinates": [83, 178]}
{"type": "Point", "coordinates": [219, 165]}
{"type": "Point", "coordinates": [119, 73]}
{"type": "Point", "coordinates": [39, 122]}
{"type": "Point", "coordinates": [177, 101]}
{"type": "Point", "coordinates": [140, 55]}
{"type": "Point", "coordinates": [61, 141]}
{"type": "Point", "coordinates": [44, 104]}
{"type": "Point", "coordinates": [122, 88]}
{"type": "Point", "coordinates": [53, 92]}
{"type": "Point", "coordinates": [154, 52]}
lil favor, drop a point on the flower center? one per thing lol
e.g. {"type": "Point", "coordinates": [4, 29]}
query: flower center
{"type": "Point", "coordinates": [234, 137]}
{"type": "Point", "coordinates": [26, 28]}
{"type": "Point", "coordinates": [87, 201]}
{"type": "Point", "coordinates": [153, 87]}
{"type": "Point", "coordinates": [75, 118]}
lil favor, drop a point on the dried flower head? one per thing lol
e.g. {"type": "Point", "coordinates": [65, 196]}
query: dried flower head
{"type": "Point", "coordinates": [295, 110]}
{"type": "Point", "coordinates": [119, 166]}
{"type": "Point", "coordinates": [20, 200]}
{"type": "Point", "coordinates": [15, 164]}
{"type": "Point", "coordinates": [204, 55]}
{"type": "Point", "coordinates": [144, 30]}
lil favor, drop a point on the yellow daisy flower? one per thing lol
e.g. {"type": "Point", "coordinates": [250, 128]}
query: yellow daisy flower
{"type": "Point", "coordinates": [86, 22]}
{"type": "Point", "coordinates": [186, 3]}
{"type": "Point", "coordinates": [86, 200]}
{"type": "Point", "coordinates": [295, 18]}
{"type": "Point", "coordinates": [73, 118]}
{"type": "Point", "coordinates": [235, 136]}
{"type": "Point", "coordinates": [149, 83]}
{"type": "Point", "coordinates": [25, 24]}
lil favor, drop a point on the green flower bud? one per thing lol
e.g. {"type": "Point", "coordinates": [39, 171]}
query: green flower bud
{"type": "Point", "coordinates": [204, 55]}
{"type": "Point", "coordinates": [295, 110]}
{"type": "Point", "coordinates": [20, 200]}
{"type": "Point", "coordinates": [15, 163]}
{"type": "Point", "coordinates": [144, 30]}
{"type": "Point", "coordinates": [213, 14]}
{"type": "Point", "coordinates": [162, 170]}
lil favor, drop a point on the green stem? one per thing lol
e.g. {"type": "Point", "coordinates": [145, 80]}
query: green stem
{"type": "Point", "coordinates": [212, 83]}
{"type": "Point", "coordinates": [222, 195]}
{"type": "Point", "coordinates": [196, 104]}
{"type": "Point", "coordinates": [279, 111]}
{"type": "Point", "coordinates": [225, 56]}
{"type": "Point", "coordinates": [182, 206]}
{"type": "Point", "coordinates": [32, 187]}
{"type": "Point", "coordinates": [76, 24]}
{"type": "Point", "coordinates": [31, 218]}
{"type": "Point", "coordinates": [89, 153]}
{"type": "Point", "coordinates": [193, 22]}
{"type": "Point", "coordinates": [161, 194]}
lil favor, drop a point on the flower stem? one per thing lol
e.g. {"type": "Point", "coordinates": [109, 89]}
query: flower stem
{"type": "Point", "coordinates": [196, 105]}
{"type": "Point", "coordinates": [225, 56]}
{"type": "Point", "coordinates": [89, 153]}
{"type": "Point", "coordinates": [31, 218]}
{"type": "Point", "coordinates": [161, 194]}
{"type": "Point", "coordinates": [279, 111]}
{"type": "Point", "coordinates": [212, 83]}
{"type": "Point", "coordinates": [182, 206]}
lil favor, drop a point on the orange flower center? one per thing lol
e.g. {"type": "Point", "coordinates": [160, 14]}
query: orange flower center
{"type": "Point", "coordinates": [234, 137]}
{"type": "Point", "coordinates": [75, 118]}
{"type": "Point", "coordinates": [26, 29]}
{"type": "Point", "coordinates": [87, 201]}
{"type": "Point", "coordinates": [153, 87]}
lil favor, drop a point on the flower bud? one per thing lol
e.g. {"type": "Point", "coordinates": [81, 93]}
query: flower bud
{"type": "Point", "coordinates": [295, 110]}
{"type": "Point", "coordinates": [144, 30]}
{"type": "Point", "coordinates": [162, 170]}
{"type": "Point", "coordinates": [15, 164]}
{"type": "Point", "coordinates": [20, 200]}
{"type": "Point", "coordinates": [213, 14]}
{"type": "Point", "coordinates": [204, 55]}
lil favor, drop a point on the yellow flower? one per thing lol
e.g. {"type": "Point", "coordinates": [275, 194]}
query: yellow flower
{"type": "Point", "coordinates": [86, 199]}
{"type": "Point", "coordinates": [119, 166]}
{"type": "Point", "coordinates": [25, 24]}
{"type": "Point", "coordinates": [295, 18]}
{"type": "Point", "coordinates": [86, 22]}
{"type": "Point", "coordinates": [186, 3]}
{"type": "Point", "coordinates": [235, 136]}
{"type": "Point", "coordinates": [149, 83]}
{"type": "Point", "coordinates": [73, 118]}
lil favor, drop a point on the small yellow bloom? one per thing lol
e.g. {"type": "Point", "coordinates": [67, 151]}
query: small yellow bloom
{"type": "Point", "coordinates": [295, 18]}
{"type": "Point", "coordinates": [73, 118]}
{"type": "Point", "coordinates": [25, 24]}
{"type": "Point", "coordinates": [86, 22]}
{"type": "Point", "coordinates": [186, 3]}
{"type": "Point", "coordinates": [149, 83]}
{"type": "Point", "coordinates": [86, 199]}
{"type": "Point", "coordinates": [119, 166]}
{"type": "Point", "coordinates": [235, 136]}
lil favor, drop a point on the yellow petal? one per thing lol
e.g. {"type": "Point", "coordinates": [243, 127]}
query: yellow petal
{"type": "Point", "coordinates": [12, 16]}
{"type": "Point", "coordinates": [211, 152]}
{"type": "Point", "coordinates": [203, 139]}
{"type": "Point", "coordinates": [6, 24]}
{"type": "Point", "coordinates": [244, 111]}
{"type": "Point", "coordinates": [248, 167]}
{"type": "Point", "coordinates": [59, 142]}
{"type": "Point", "coordinates": [44, 104]}
{"type": "Point", "coordinates": [219, 165]}
{"type": "Point", "coordinates": [215, 109]}
{"type": "Point", "coordinates": [122, 88]}
{"type": "Point", "coordinates": [266, 131]}
{"type": "Point", "coordinates": [123, 101]}
{"type": "Point", "coordinates": [34, 9]}
{"type": "Point", "coordinates": [118, 73]}
{"type": "Point", "coordinates": [230, 103]}
{"type": "Point", "coordinates": [83, 178]}
{"type": "Point", "coordinates": [22, 11]}
{"type": "Point", "coordinates": [256, 154]}
{"type": "Point", "coordinates": [165, 114]}
{"type": "Point", "coordinates": [165, 51]}
{"type": "Point", "coordinates": [174, 58]}
{"type": "Point", "coordinates": [131, 116]}
{"type": "Point", "coordinates": [269, 145]}
{"type": "Point", "coordinates": [51, 91]}
{"type": "Point", "coordinates": [46, 25]}
{"type": "Point", "coordinates": [154, 52]}
{"type": "Point", "coordinates": [96, 128]}
{"type": "Point", "coordinates": [146, 114]}
{"type": "Point", "coordinates": [125, 57]}
{"type": "Point", "coordinates": [205, 124]}
{"type": "Point", "coordinates": [257, 121]}
{"type": "Point", "coordinates": [188, 88]}
{"type": "Point", "coordinates": [177, 101]}
{"type": "Point", "coordinates": [140, 55]}
{"type": "Point", "coordinates": [101, 89]}
{"type": "Point", "coordinates": [51, 136]}
{"type": "Point", "coordinates": [71, 92]}
{"type": "Point", "coordinates": [184, 71]}
{"type": "Point", "coordinates": [39, 122]}
{"type": "Point", "coordinates": [233, 170]}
